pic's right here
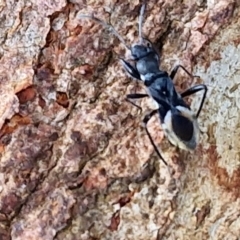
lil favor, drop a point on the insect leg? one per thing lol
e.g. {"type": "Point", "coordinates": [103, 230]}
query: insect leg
{"type": "Point", "coordinates": [145, 121]}
{"type": "Point", "coordinates": [175, 69]}
{"type": "Point", "coordinates": [130, 69]}
{"type": "Point", "coordinates": [136, 96]}
{"type": "Point", "coordinates": [195, 89]}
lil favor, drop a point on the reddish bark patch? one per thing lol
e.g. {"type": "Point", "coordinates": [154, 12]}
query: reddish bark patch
{"type": "Point", "coordinates": [41, 102]}
{"type": "Point", "coordinates": [11, 125]}
{"type": "Point", "coordinates": [122, 201]}
{"type": "Point", "coordinates": [62, 99]}
{"type": "Point", "coordinates": [202, 213]}
{"type": "Point", "coordinates": [26, 95]}
{"type": "Point", "coordinates": [229, 183]}
{"type": "Point", "coordinates": [115, 220]}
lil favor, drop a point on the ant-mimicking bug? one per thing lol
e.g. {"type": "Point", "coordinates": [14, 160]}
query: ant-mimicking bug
{"type": "Point", "coordinates": [179, 123]}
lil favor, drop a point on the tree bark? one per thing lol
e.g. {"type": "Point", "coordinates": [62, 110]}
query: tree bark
{"type": "Point", "coordinates": [76, 162]}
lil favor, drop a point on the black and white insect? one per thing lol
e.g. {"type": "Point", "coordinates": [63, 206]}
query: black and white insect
{"type": "Point", "coordinates": [179, 123]}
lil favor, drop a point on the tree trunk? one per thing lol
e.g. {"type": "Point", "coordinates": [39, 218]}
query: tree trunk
{"type": "Point", "coordinates": [76, 162]}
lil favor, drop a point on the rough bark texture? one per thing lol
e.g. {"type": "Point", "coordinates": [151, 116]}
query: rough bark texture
{"type": "Point", "coordinates": [76, 162]}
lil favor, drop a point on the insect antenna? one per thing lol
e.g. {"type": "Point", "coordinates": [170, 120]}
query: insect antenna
{"type": "Point", "coordinates": [140, 22]}
{"type": "Point", "coordinates": [108, 26]}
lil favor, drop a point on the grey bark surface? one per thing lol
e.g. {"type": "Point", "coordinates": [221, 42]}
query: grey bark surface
{"type": "Point", "coordinates": [76, 162]}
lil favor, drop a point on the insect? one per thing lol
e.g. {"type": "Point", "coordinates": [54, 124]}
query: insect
{"type": "Point", "coordinates": [179, 123]}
